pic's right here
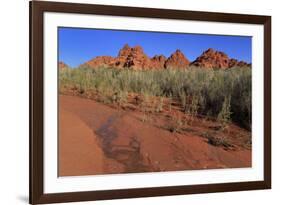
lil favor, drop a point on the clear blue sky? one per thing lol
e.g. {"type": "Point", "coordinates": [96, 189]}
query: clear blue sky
{"type": "Point", "coordinates": [78, 45]}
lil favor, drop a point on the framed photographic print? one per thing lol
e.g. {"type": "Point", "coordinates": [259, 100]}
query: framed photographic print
{"type": "Point", "coordinates": [138, 102]}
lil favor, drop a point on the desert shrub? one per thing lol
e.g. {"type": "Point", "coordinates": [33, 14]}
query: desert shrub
{"type": "Point", "coordinates": [159, 105]}
{"type": "Point", "coordinates": [200, 91]}
{"type": "Point", "coordinates": [183, 100]}
{"type": "Point", "coordinates": [224, 116]}
{"type": "Point", "coordinates": [120, 97]}
{"type": "Point", "coordinates": [192, 108]}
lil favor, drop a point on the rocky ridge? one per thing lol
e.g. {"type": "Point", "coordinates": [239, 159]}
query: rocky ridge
{"type": "Point", "coordinates": [134, 58]}
{"type": "Point", "coordinates": [217, 59]}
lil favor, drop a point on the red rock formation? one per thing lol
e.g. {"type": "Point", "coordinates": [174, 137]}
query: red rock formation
{"type": "Point", "coordinates": [243, 64]}
{"type": "Point", "coordinates": [236, 63]}
{"type": "Point", "coordinates": [232, 62]}
{"type": "Point", "coordinates": [101, 61]}
{"type": "Point", "coordinates": [128, 57]}
{"type": "Point", "coordinates": [177, 61]}
{"type": "Point", "coordinates": [212, 59]}
{"type": "Point", "coordinates": [63, 66]}
{"type": "Point", "coordinates": [134, 58]}
{"type": "Point", "coordinates": [158, 62]}
{"type": "Point", "coordinates": [217, 59]}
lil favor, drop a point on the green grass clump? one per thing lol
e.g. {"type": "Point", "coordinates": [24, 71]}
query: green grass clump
{"type": "Point", "coordinates": [198, 91]}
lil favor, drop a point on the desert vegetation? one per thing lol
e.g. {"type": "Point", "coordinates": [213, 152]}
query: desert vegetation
{"type": "Point", "coordinates": [220, 94]}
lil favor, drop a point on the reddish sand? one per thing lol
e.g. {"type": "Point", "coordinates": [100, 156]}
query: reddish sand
{"type": "Point", "coordinates": [98, 139]}
{"type": "Point", "coordinates": [78, 147]}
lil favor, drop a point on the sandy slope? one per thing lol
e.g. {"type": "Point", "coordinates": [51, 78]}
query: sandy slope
{"type": "Point", "coordinates": [95, 138]}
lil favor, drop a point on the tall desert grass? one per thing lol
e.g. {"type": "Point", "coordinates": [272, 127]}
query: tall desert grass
{"type": "Point", "coordinates": [216, 93]}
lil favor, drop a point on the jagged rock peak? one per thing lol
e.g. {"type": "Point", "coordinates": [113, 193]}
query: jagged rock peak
{"type": "Point", "coordinates": [177, 60]}
{"type": "Point", "coordinates": [212, 59]}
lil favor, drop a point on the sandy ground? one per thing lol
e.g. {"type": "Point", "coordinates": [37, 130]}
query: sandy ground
{"type": "Point", "coordinates": [97, 139]}
{"type": "Point", "coordinates": [79, 151]}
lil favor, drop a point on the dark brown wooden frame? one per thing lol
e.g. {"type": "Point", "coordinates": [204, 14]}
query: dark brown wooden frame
{"type": "Point", "coordinates": [37, 9]}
